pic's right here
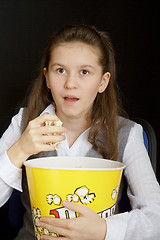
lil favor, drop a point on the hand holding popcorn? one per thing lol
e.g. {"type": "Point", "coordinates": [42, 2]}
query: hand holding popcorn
{"type": "Point", "coordinates": [43, 133]}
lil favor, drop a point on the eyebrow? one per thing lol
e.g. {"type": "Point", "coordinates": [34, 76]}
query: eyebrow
{"type": "Point", "coordinates": [87, 65]}
{"type": "Point", "coordinates": [57, 64]}
{"type": "Point", "coordinates": [82, 66]}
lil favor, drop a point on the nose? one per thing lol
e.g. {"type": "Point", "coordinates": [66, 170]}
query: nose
{"type": "Point", "coordinates": [71, 81]}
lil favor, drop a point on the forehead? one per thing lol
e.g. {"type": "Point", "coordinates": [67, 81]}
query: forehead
{"type": "Point", "coordinates": [76, 52]}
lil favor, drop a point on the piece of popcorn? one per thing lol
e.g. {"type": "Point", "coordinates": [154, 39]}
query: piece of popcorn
{"type": "Point", "coordinates": [53, 234]}
{"type": "Point", "coordinates": [82, 191]}
{"type": "Point", "coordinates": [38, 236]}
{"type": "Point", "coordinates": [53, 199]}
{"type": "Point", "coordinates": [46, 232]}
{"type": "Point", "coordinates": [49, 123]}
{"type": "Point", "coordinates": [57, 123]}
{"type": "Point", "coordinates": [72, 198]}
{"type": "Point", "coordinates": [114, 192]}
{"type": "Point", "coordinates": [75, 198]}
{"type": "Point", "coordinates": [84, 195]}
{"type": "Point", "coordinates": [49, 198]}
{"type": "Point", "coordinates": [57, 199]}
{"type": "Point", "coordinates": [54, 144]}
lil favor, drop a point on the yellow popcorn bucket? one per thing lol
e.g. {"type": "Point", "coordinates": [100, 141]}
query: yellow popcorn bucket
{"type": "Point", "coordinates": [92, 182]}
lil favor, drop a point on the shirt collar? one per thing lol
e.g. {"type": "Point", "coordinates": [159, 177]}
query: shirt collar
{"type": "Point", "coordinates": [50, 109]}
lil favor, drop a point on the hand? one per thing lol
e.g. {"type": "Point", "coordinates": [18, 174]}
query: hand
{"type": "Point", "coordinates": [88, 226]}
{"type": "Point", "coordinates": [35, 139]}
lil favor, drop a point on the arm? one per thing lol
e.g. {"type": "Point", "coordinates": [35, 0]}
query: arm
{"type": "Point", "coordinates": [10, 176]}
{"type": "Point", "coordinates": [16, 148]}
{"type": "Point", "coordinates": [144, 194]}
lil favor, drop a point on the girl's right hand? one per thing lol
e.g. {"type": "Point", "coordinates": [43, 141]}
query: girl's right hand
{"type": "Point", "coordinates": [36, 138]}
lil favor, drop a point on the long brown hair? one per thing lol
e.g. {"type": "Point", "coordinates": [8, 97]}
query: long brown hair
{"type": "Point", "coordinates": [105, 108]}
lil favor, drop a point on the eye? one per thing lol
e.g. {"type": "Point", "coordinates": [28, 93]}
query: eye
{"type": "Point", "coordinates": [84, 72]}
{"type": "Point", "coordinates": [61, 70]}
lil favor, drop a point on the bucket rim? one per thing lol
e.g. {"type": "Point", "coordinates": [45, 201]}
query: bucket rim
{"type": "Point", "coordinates": [33, 163]}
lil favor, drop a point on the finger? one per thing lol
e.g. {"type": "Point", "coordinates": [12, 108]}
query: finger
{"type": "Point", "coordinates": [45, 148]}
{"type": "Point", "coordinates": [82, 210]}
{"type": "Point", "coordinates": [56, 222]}
{"type": "Point", "coordinates": [51, 130]}
{"type": "Point", "coordinates": [41, 130]}
{"type": "Point", "coordinates": [47, 237]}
{"type": "Point", "coordinates": [48, 144]}
{"type": "Point", "coordinates": [45, 117]}
{"type": "Point", "coordinates": [51, 138]}
{"type": "Point", "coordinates": [54, 229]}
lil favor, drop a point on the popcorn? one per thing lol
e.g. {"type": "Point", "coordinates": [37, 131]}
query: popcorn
{"type": "Point", "coordinates": [81, 194]}
{"type": "Point", "coordinates": [57, 123]}
{"type": "Point", "coordinates": [84, 195]}
{"type": "Point", "coordinates": [114, 193]}
{"type": "Point", "coordinates": [53, 199]}
{"type": "Point", "coordinates": [36, 215]}
{"type": "Point", "coordinates": [72, 198]}
{"type": "Point", "coordinates": [54, 145]}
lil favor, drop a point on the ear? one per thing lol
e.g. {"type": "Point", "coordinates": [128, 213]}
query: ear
{"type": "Point", "coordinates": [45, 72]}
{"type": "Point", "coordinates": [104, 82]}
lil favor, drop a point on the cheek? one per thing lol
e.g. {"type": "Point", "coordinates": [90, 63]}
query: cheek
{"type": "Point", "coordinates": [93, 90]}
{"type": "Point", "coordinates": [55, 90]}
{"type": "Point", "coordinates": [52, 82]}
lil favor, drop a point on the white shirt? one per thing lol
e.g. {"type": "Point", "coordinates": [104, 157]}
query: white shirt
{"type": "Point", "coordinates": [142, 223]}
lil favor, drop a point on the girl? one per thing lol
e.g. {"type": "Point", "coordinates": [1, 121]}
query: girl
{"type": "Point", "coordinates": [76, 85]}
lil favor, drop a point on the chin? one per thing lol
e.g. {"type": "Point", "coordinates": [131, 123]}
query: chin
{"type": "Point", "coordinates": [72, 114]}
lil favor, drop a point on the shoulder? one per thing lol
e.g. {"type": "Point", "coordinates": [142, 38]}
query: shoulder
{"type": "Point", "coordinates": [125, 126]}
{"type": "Point", "coordinates": [127, 129]}
{"type": "Point", "coordinates": [123, 123]}
{"type": "Point", "coordinates": [18, 117]}
{"type": "Point", "coordinates": [13, 132]}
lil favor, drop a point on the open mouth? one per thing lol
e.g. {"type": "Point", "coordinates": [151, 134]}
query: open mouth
{"type": "Point", "coordinates": [71, 99]}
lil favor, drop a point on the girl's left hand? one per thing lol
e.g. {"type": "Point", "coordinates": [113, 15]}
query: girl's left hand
{"type": "Point", "coordinates": [87, 226]}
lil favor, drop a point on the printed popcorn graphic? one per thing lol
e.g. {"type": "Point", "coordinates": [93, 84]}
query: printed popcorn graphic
{"type": "Point", "coordinates": [81, 194]}
{"type": "Point", "coordinates": [114, 193]}
{"type": "Point", "coordinates": [53, 199]}
{"type": "Point", "coordinates": [36, 215]}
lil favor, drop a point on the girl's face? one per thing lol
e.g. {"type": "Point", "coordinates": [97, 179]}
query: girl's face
{"type": "Point", "coordinates": [75, 78]}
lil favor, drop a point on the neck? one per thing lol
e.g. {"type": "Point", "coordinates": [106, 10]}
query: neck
{"type": "Point", "coordinates": [75, 127]}
{"type": "Point", "coordinates": [75, 124]}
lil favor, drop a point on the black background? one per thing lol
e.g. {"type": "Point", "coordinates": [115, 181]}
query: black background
{"type": "Point", "coordinates": [133, 25]}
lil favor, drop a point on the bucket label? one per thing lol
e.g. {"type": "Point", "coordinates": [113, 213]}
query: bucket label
{"type": "Point", "coordinates": [81, 195]}
{"type": "Point", "coordinates": [61, 213]}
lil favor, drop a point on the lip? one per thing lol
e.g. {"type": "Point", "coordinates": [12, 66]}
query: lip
{"type": "Point", "coordinates": [70, 99]}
